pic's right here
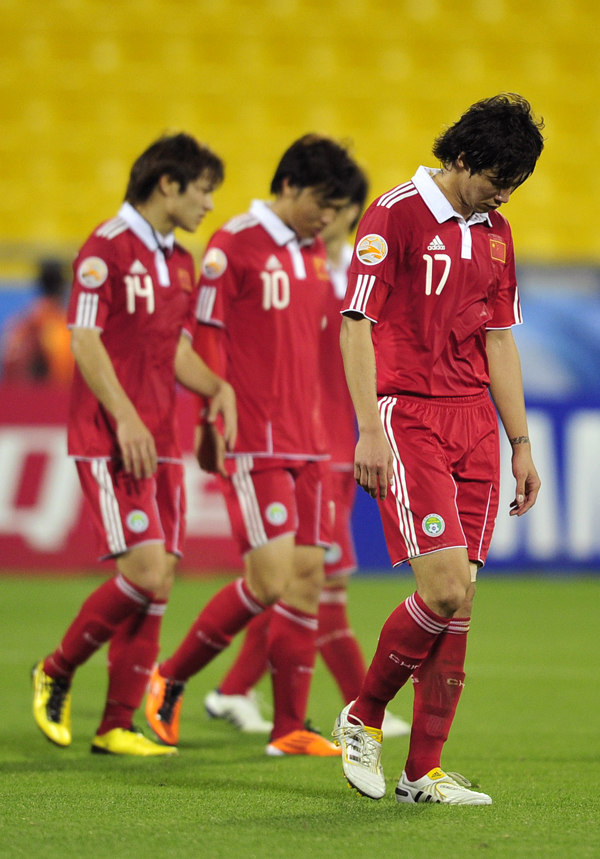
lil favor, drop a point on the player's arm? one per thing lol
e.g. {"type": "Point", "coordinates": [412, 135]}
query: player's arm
{"type": "Point", "coordinates": [373, 459]}
{"type": "Point", "coordinates": [193, 373]}
{"type": "Point", "coordinates": [135, 439]}
{"type": "Point", "coordinates": [506, 388]}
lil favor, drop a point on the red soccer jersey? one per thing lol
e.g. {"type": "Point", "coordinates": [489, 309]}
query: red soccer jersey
{"type": "Point", "coordinates": [433, 283]}
{"type": "Point", "coordinates": [141, 297]}
{"type": "Point", "coordinates": [268, 292]}
{"type": "Point", "coordinates": [338, 411]}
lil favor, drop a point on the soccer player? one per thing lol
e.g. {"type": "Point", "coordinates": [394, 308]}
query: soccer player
{"type": "Point", "coordinates": [235, 699]}
{"type": "Point", "coordinates": [431, 299]}
{"type": "Point", "coordinates": [132, 322]}
{"type": "Point", "coordinates": [265, 284]}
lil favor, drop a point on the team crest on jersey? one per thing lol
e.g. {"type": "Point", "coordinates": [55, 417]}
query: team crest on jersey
{"type": "Point", "coordinates": [498, 250]}
{"type": "Point", "coordinates": [433, 525]}
{"type": "Point", "coordinates": [372, 249]}
{"type": "Point", "coordinates": [92, 272]}
{"type": "Point", "coordinates": [276, 513]}
{"type": "Point", "coordinates": [137, 521]}
{"type": "Point", "coordinates": [214, 263]}
{"type": "Point", "coordinates": [185, 281]}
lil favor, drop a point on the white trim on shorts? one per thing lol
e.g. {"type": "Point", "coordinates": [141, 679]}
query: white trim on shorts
{"type": "Point", "coordinates": [248, 502]}
{"type": "Point", "coordinates": [109, 508]}
{"type": "Point", "coordinates": [405, 517]}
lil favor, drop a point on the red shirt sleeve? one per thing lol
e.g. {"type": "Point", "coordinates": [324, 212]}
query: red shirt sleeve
{"type": "Point", "coordinates": [376, 258]}
{"type": "Point", "coordinates": [507, 308]}
{"type": "Point", "coordinates": [220, 278]}
{"type": "Point", "coordinates": [95, 273]}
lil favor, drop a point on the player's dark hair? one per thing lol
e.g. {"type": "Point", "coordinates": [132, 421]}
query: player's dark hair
{"type": "Point", "coordinates": [500, 134]}
{"type": "Point", "coordinates": [317, 161]}
{"type": "Point", "coordinates": [181, 158]}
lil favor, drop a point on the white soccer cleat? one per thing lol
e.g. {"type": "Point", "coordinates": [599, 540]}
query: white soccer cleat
{"type": "Point", "coordinates": [241, 710]}
{"type": "Point", "coordinates": [361, 754]}
{"type": "Point", "coordinates": [394, 726]}
{"type": "Point", "coordinates": [438, 786]}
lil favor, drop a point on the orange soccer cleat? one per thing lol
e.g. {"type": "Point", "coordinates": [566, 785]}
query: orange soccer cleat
{"type": "Point", "coordinates": [163, 707]}
{"type": "Point", "coordinates": [303, 742]}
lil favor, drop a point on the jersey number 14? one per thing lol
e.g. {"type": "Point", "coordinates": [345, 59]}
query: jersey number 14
{"type": "Point", "coordinates": [139, 288]}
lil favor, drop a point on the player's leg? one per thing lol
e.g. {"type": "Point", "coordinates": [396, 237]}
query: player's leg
{"type": "Point", "coordinates": [123, 512]}
{"type": "Point", "coordinates": [235, 698]}
{"type": "Point", "coordinates": [294, 622]}
{"type": "Point", "coordinates": [436, 546]}
{"type": "Point", "coordinates": [438, 684]}
{"type": "Point", "coordinates": [439, 681]}
{"type": "Point", "coordinates": [261, 507]}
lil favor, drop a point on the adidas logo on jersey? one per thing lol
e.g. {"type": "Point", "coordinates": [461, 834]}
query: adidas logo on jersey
{"type": "Point", "coordinates": [273, 263]}
{"type": "Point", "coordinates": [436, 245]}
{"type": "Point", "coordinates": [137, 268]}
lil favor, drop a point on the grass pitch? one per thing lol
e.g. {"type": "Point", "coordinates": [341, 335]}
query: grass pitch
{"type": "Point", "coordinates": [527, 731]}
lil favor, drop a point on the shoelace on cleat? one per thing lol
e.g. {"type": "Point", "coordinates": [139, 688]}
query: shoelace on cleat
{"type": "Point", "coordinates": [173, 691]}
{"type": "Point", "coordinates": [459, 779]}
{"type": "Point", "coordinates": [56, 701]}
{"type": "Point", "coordinates": [365, 747]}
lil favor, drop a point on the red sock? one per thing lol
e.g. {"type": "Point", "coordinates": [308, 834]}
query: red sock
{"type": "Point", "coordinates": [292, 652]}
{"type": "Point", "coordinates": [337, 643]}
{"type": "Point", "coordinates": [223, 617]}
{"type": "Point", "coordinates": [438, 684]}
{"type": "Point", "coordinates": [100, 615]}
{"type": "Point", "coordinates": [251, 662]}
{"type": "Point", "coordinates": [406, 638]}
{"type": "Point", "coordinates": [131, 656]}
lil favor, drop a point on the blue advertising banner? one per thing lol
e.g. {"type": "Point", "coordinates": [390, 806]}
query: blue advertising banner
{"type": "Point", "coordinates": [562, 532]}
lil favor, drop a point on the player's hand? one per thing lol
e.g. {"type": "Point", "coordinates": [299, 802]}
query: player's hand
{"type": "Point", "coordinates": [137, 446]}
{"type": "Point", "coordinates": [209, 446]}
{"type": "Point", "coordinates": [373, 463]}
{"type": "Point", "coordinates": [223, 402]}
{"type": "Point", "coordinates": [528, 481]}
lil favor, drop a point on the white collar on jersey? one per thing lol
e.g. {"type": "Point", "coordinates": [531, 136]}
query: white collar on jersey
{"type": "Point", "coordinates": [154, 241]}
{"type": "Point", "coordinates": [281, 234]}
{"type": "Point", "coordinates": [442, 210]}
{"type": "Point", "coordinates": [440, 206]}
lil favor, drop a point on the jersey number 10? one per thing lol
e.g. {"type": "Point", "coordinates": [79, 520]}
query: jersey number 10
{"type": "Point", "coordinates": [429, 272]}
{"type": "Point", "coordinates": [140, 289]}
{"type": "Point", "coordinates": [276, 289]}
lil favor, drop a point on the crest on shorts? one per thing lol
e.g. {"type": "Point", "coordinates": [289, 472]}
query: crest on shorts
{"type": "Point", "coordinates": [214, 263]}
{"type": "Point", "coordinates": [372, 249]}
{"type": "Point", "coordinates": [276, 513]}
{"type": "Point", "coordinates": [333, 554]}
{"type": "Point", "coordinates": [137, 521]}
{"type": "Point", "coordinates": [433, 525]}
{"type": "Point", "coordinates": [92, 272]}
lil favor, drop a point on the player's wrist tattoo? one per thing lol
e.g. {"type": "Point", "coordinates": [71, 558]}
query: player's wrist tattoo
{"type": "Point", "coordinates": [521, 439]}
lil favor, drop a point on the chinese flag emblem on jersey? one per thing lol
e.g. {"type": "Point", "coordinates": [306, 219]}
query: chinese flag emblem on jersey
{"type": "Point", "coordinates": [185, 280]}
{"type": "Point", "coordinates": [321, 268]}
{"type": "Point", "coordinates": [498, 250]}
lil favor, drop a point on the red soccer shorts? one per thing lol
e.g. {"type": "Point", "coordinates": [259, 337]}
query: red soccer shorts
{"type": "Point", "coordinates": [446, 475]}
{"type": "Point", "coordinates": [267, 498]}
{"type": "Point", "coordinates": [127, 512]}
{"type": "Point", "coordinates": [340, 558]}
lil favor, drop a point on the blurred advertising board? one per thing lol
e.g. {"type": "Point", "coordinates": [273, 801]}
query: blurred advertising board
{"type": "Point", "coordinates": [562, 532]}
{"type": "Point", "coordinates": [43, 521]}
{"type": "Point", "coordinates": [43, 524]}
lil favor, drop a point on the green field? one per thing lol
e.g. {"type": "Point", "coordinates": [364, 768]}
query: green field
{"type": "Point", "coordinates": [527, 731]}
